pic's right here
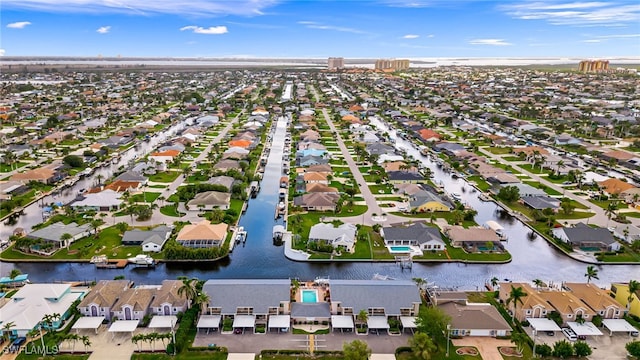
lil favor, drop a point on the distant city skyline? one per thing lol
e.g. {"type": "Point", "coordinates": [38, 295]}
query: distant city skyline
{"type": "Point", "coordinates": [320, 28]}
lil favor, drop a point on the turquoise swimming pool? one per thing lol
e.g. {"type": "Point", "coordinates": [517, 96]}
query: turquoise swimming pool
{"type": "Point", "coordinates": [399, 249]}
{"type": "Point", "coordinates": [309, 295]}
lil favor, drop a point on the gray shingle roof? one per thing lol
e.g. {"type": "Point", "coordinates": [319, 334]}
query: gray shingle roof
{"type": "Point", "coordinates": [309, 310]}
{"type": "Point", "coordinates": [364, 294]}
{"type": "Point", "coordinates": [55, 231]}
{"type": "Point", "coordinates": [419, 232]}
{"type": "Point", "coordinates": [139, 237]}
{"type": "Point", "coordinates": [260, 294]}
{"type": "Point", "coordinates": [584, 233]}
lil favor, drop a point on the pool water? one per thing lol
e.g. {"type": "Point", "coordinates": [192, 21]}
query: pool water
{"type": "Point", "coordinates": [400, 249]}
{"type": "Point", "coordinates": [309, 296]}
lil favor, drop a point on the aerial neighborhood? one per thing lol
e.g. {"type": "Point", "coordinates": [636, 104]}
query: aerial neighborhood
{"type": "Point", "coordinates": [189, 207]}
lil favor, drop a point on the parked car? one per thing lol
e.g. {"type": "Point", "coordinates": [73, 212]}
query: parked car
{"type": "Point", "coordinates": [17, 343]}
{"type": "Point", "coordinates": [550, 333]}
{"type": "Point", "coordinates": [570, 334]}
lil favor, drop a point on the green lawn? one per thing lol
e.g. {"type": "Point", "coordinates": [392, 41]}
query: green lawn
{"type": "Point", "coordinates": [14, 166]}
{"type": "Point", "coordinates": [164, 177]}
{"type": "Point", "coordinates": [170, 210]}
{"type": "Point", "coordinates": [381, 189]}
{"type": "Point", "coordinates": [146, 196]}
{"type": "Point", "coordinates": [499, 150]}
{"type": "Point", "coordinates": [480, 182]}
{"type": "Point", "coordinates": [108, 243]}
{"type": "Point", "coordinates": [512, 158]}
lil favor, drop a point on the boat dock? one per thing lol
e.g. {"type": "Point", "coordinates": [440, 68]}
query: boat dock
{"type": "Point", "coordinates": [112, 264]}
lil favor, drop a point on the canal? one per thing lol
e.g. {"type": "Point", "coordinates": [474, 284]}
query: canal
{"type": "Point", "coordinates": [260, 258]}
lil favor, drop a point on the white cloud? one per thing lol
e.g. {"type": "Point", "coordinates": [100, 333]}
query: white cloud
{"type": "Point", "coordinates": [619, 36]}
{"type": "Point", "coordinates": [408, 3]}
{"type": "Point", "coordinates": [212, 30]}
{"type": "Point", "coordinates": [593, 13]}
{"type": "Point", "coordinates": [2, 52]}
{"type": "Point", "coordinates": [592, 41]}
{"type": "Point", "coordinates": [319, 26]}
{"type": "Point", "coordinates": [18, 25]}
{"type": "Point", "coordinates": [181, 7]}
{"type": "Point", "coordinates": [491, 42]}
{"type": "Point", "coordinates": [411, 36]}
{"type": "Point", "coordinates": [103, 29]}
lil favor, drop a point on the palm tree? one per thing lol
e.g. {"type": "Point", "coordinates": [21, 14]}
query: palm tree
{"type": "Point", "coordinates": [6, 330]}
{"type": "Point", "coordinates": [188, 289]}
{"type": "Point", "coordinates": [420, 282]}
{"type": "Point", "coordinates": [519, 339]}
{"type": "Point", "coordinates": [86, 342]}
{"type": "Point", "coordinates": [538, 283]}
{"type": "Point", "coordinates": [422, 346]}
{"type": "Point", "coordinates": [592, 273]}
{"type": "Point", "coordinates": [610, 211]}
{"type": "Point", "coordinates": [203, 300]}
{"type": "Point", "coordinates": [363, 316]}
{"type": "Point", "coordinates": [136, 340]}
{"type": "Point", "coordinates": [515, 297]}
{"type": "Point", "coordinates": [494, 282]}
{"type": "Point", "coordinates": [634, 286]}
{"type": "Point", "coordinates": [72, 338]}
{"type": "Point", "coordinates": [66, 238]}
{"type": "Point", "coordinates": [14, 274]}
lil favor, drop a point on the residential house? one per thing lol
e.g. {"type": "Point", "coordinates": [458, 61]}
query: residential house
{"type": "Point", "coordinates": [620, 291]}
{"type": "Point", "coordinates": [597, 299]}
{"type": "Point", "coordinates": [429, 135]}
{"type": "Point", "coordinates": [320, 188]}
{"type": "Point", "coordinates": [404, 177]}
{"type": "Point", "coordinates": [47, 174]}
{"type": "Point", "coordinates": [106, 200]}
{"type": "Point", "coordinates": [225, 165]}
{"type": "Point", "coordinates": [151, 240]}
{"type": "Point", "coordinates": [311, 160]}
{"type": "Point", "coordinates": [164, 156]}
{"type": "Point", "coordinates": [133, 303]}
{"type": "Point", "coordinates": [342, 237]}
{"type": "Point", "coordinates": [236, 298]}
{"type": "Point", "coordinates": [615, 186]}
{"type": "Point", "coordinates": [465, 237]}
{"type": "Point", "coordinates": [627, 232]}
{"type": "Point", "coordinates": [311, 177]}
{"type": "Point", "coordinates": [133, 176]}
{"type": "Point", "coordinates": [323, 169]}
{"type": "Point", "coordinates": [428, 201]}
{"type": "Point", "coordinates": [569, 306]}
{"type": "Point", "coordinates": [541, 202]}
{"type": "Point", "coordinates": [29, 305]}
{"type": "Point", "coordinates": [209, 200]}
{"type": "Point", "coordinates": [124, 186]}
{"type": "Point", "coordinates": [587, 238]}
{"type": "Point", "coordinates": [226, 181]}
{"type": "Point", "coordinates": [54, 233]}
{"type": "Point", "coordinates": [100, 300]}
{"type": "Point", "coordinates": [533, 305]}
{"type": "Point", "coordinates": [8, 189]}
{"type": "Point", "coordinates": [166, 300]}
{"type": "Point", "coordinates": [527, 190]}
{"type": "Point", "coordinates": [475, 319]}
{"type": "Point", "coordinates": [202, 234]}
{"type": "Point", "coordinates": [419, 234]}
{"type": "Point", "coordinates": [399, 166]}
{"type": "Point", "coordinates": [317, 201]}
{"type": "Point", "coordinates": [380, 149]}
{"type": "Point", "coordinates": [448, 148]}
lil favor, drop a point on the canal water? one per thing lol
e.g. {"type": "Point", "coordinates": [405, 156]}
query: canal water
{"type": "Point", "coordinates": [260, 258]}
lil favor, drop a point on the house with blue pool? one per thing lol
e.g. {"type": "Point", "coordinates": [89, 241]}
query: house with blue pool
{"type": "Point", "coordinates": [28, 307]}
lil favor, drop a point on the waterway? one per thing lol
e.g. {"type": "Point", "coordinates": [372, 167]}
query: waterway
{"type": "Point", "coordinates": [260, 258]}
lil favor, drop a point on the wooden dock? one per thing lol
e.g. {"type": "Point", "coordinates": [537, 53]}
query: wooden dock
{"type": "Point", "coordinates": [113, 264]}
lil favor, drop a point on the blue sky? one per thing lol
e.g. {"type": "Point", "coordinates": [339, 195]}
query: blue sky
{"type": "Point", "coordinates": [320, 28]}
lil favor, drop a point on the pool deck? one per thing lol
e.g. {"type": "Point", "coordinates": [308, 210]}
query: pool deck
{"type": "Point", "coordinates": [323, 290]}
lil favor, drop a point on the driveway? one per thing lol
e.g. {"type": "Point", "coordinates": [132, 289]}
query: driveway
{"type": "Point", "coordinates": [487, 346]}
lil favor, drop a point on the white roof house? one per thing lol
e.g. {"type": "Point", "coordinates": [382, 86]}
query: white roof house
{"type": "Point", "coordinates": [343, 236]}
{"type": "Point", "coordinates": [102, 201]}
{"type": "Point", "coordinates": [32, 302]}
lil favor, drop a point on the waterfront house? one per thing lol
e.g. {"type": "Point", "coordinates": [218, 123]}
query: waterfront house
{"type": "Point", "coordinates": [166, 300]}
{"type": "Point", "coordinates": [209, 200]}
{"type": "Point", "coordinates": [399, 166]}
{"type": "Point", "coordinates": [54, 233]}
{"type": "Point", "coordinates": [587, 238]}
{"type": "Point", "coordinates": [133, 303]}
{"type": "Point", "coordinates": [224, 165]}
{"type": "Point", "coordinates": [475, 319]}
{"type": "Point", "coordinates": [322, 169]}
{"type": "Point", "coordinates": [106, 200]}
{"type": "Point", "coordinates": [620, 291]}
{"type": "Point", "coordinates": [597, 299]}
{"type": "Point", "coordinates": [29, 305]}
{"type": "Point", "coordinates": [320, 188]}
{"type": "Point", "coordinates": [428, 201]}
{"type": "Point", "coordinates": [122, 186]}
{"type": "Point", "coordinates": [151, 240]}
{"type": "Point", "coordinates": [248, 301]}
{"type": "Point", "coordinates": [226, 181]}
{"type": "Point", "coordinates": [533, 304]}
{"type": "Point", "coordinates": [468, 238]}
{"type": "Point", "coordinates": [541, 202]}
{"type": "Point", "coordinates": [615, 186]}
{"type": "Point", "coordinates": [134, 175]}
{"type": "Point", "coordinates": [317, 201]}
{"type": "Point", "coordinates": [404, 177]}
{"type": "Point", "coordinates": [570, 307]}
{"type": "Point", "coordinates": [47, 174]}
{"type": "Point", "coordinates": [527, 190]}
{"type": "Point", "coordinates": [380, 149]}
{"type": "Point", "coordinates": [419, 234]}
{"type": "Point", "coordinates": [164, 156]}
{"type": "Point", "coordinates": [202, 234]}
{"type": "Point", "coordinates": [310, 177]}
{"type": "Point", "coordinates": [100, 300]}
{"type": "Point", "coordinates": [341, 237]}
{"type": "Point", "coordinates": [381, 300]}
{"type": "Point", "coordinates": [310, 160]}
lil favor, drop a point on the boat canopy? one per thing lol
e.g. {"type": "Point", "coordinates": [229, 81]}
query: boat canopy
{"type": "Point", "coordinates": [494, 226]}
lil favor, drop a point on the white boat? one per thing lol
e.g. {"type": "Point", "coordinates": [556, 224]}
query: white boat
{"type": "Point", "coordinates": [322, 280]}
{"type": "Point", "coordinates": [241, 235]}
{"type": "Point", "coordinates": [455, 196]}
{"type": "Point", "coordinates": [281, 205]}
{"type": "Point", "coordinates": [98, 259]}
{"type": "Point", "coordinates": [141, 260]}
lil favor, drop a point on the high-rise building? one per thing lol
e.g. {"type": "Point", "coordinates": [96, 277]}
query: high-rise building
{"type": "Point", "coordinates": [335, 63]}
{"type": "Point", "coordinates": [593, 65]}
{"type": "Point", "coordinates": [395, 65]}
